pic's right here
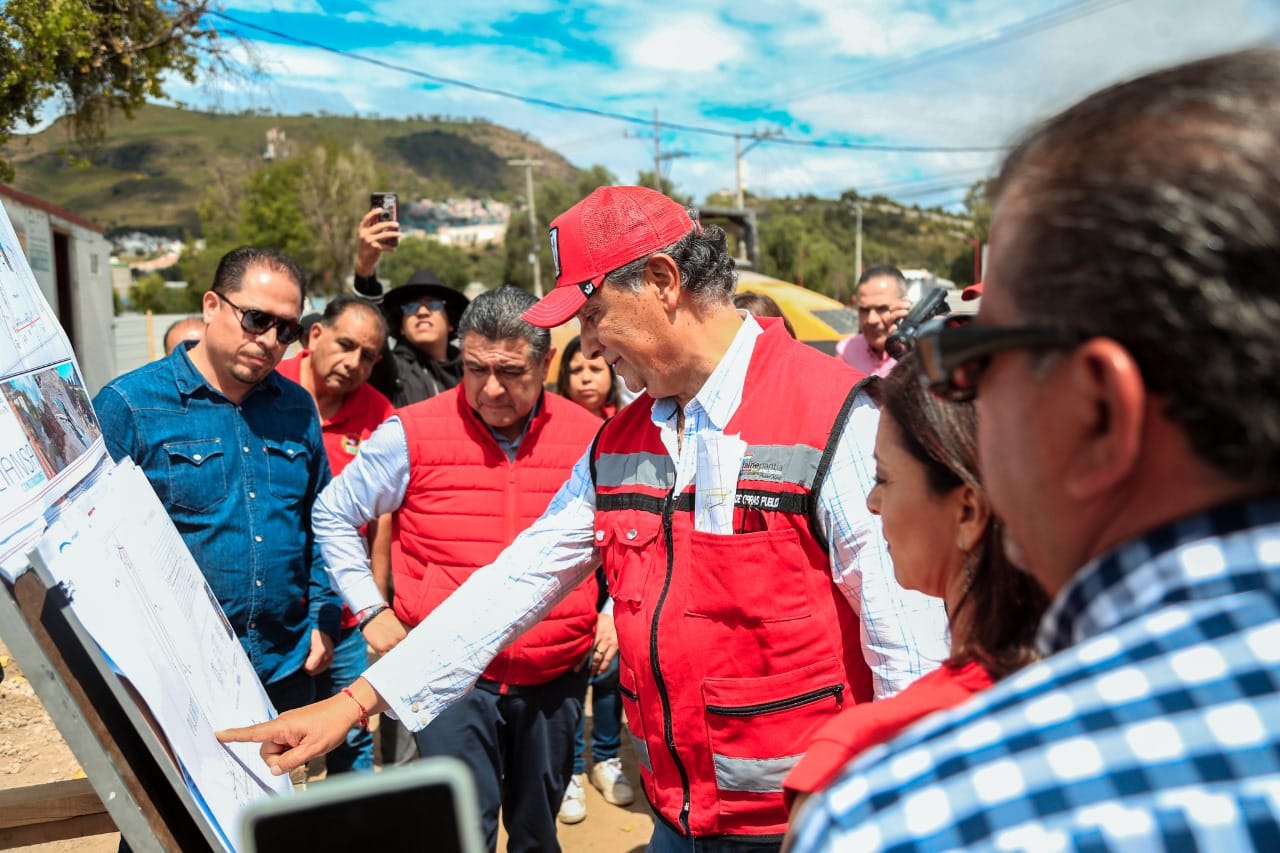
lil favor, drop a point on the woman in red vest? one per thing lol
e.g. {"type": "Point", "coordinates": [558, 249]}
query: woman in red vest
{"type": "Point", "coordinates": [944, 542]}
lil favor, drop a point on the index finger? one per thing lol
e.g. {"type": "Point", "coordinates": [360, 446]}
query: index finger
{"type": "Point", "coordinates": [259, 733]}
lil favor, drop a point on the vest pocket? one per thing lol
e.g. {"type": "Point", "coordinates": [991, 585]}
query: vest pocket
{"type": "Point", "coordinates": [197, 473]}
{"type": "Point", "coordinates": [627, 552]}
{"type": "Point", "coordinates": [631, 713]}
{"type": "Point", "coordinates": [759, 727]}
{"type": "Point", "coordinates": [748, 578]}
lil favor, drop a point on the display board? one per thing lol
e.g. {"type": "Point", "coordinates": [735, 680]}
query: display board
{"type": "Point", "coordinates": [104, 606]}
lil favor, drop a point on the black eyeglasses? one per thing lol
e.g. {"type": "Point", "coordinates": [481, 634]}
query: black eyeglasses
{"type": "Point", "coordinates": [257, 322]}
{"type": "Point", "coordinates": [435, 306]}
{"type": "Point", "coordinates": [954, 351]}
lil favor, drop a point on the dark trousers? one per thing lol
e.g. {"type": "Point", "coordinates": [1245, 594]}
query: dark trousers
{"type": "Point", "coordinates": [606, 721]}
{"type": "Point", "coordinates": [519, 747]}
{"type": "Point", "coordinates": [667, 840]}
{"type": "Point", "coordinates": [292, 691]}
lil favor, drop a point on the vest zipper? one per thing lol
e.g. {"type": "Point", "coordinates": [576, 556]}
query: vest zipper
{"type": "Point", "coordinates": [836, 690]}
{"type": "Point", "coordinates": [668, 509]}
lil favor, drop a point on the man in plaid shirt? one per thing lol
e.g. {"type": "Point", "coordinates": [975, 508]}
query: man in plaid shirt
{"type": "Point", "coordinates": [1126, 362]}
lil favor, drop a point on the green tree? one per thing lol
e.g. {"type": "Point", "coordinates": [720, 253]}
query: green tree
{"type": "Point", "coordinates": [301, 206]}
{"type": "Point", "coordinates": [977, 202]}
{"type": "Point", "coordinates": [452, 264]}
{"type": "Point", "coordinates": [151, 293]}
{"type": "Point", "coordinates": [97, 57]}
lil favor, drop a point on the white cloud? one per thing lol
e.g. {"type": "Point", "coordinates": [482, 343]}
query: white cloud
{"type": "Point", "coordinates": [692, 42]}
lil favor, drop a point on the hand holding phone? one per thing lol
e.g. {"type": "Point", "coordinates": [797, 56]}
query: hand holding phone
{"type": "Point", "coordinates": [389, 206]}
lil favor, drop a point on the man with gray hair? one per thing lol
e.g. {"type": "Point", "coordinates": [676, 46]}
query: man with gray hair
{"type": "Point", "coordinates": [464, 472]}
{"type": "Point", "coordinates": [753, 595]}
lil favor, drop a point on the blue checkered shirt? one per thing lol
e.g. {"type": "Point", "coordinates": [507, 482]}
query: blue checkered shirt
{"type": "Point", "coordinates": [1153, 724]}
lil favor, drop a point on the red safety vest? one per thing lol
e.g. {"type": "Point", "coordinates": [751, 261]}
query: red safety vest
{"type": "Point", "coordinates": [734, 648]}
{"type": "Point", "coordinates": [466, 502]}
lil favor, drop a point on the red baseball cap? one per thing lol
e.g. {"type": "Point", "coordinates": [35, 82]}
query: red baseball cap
{"type": "Point", "coordinates": [608, 229]}
{"type": "Point", "coordinates": [971, 292]}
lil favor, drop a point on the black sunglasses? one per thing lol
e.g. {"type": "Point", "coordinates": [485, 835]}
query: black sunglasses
{"type": "Point", "coordinates": [435, 306]}
{"type": "Point", "coordinates": [257, 322]}
{"type": "Point", "coordinates": [954, 351]}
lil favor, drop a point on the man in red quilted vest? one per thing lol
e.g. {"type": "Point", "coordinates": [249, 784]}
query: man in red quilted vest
{"type": "Point", "coordinates": [464, 472]}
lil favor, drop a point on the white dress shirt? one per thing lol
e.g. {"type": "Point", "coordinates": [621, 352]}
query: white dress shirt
{"type": "Point", "coordinates": [904, 634]}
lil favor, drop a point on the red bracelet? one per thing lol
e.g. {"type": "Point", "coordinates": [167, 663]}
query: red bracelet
{"type": "Point", "coordinates": [364, 715]}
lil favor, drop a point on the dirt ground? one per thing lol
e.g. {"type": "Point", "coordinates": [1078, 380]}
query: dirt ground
{"type": "Point", "coordinates": [33, 752]}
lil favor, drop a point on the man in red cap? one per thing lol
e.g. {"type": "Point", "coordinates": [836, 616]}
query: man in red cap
{"type": "Point", "coordinates": [753, 595]}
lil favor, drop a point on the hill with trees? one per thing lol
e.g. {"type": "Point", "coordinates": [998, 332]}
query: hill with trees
{"type": "Point", "coordinates": [151, 173]}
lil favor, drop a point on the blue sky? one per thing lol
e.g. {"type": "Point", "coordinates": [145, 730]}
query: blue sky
{"type": "Point", "coordinates": [927, 74]}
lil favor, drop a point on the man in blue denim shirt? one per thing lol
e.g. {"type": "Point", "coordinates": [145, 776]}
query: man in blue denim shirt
{"type": "Point", "coordinates": [235, 453]}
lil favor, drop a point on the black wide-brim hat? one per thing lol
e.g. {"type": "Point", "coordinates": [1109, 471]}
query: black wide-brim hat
{"type": "Point", "coordinates": [423, 284]}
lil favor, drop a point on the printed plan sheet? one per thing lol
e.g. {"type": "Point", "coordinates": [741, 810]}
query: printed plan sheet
{"type": "Point", "coordinates": [137, 590]}
{"type": "Point", "coordinates": [49, 437]}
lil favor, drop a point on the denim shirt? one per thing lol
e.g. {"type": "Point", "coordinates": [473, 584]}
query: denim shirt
{"type": "Point", "coordinates": [238, 482]}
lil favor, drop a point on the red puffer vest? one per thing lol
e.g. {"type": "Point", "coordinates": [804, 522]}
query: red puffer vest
{"type": "Point", "coordinates": [466, 502]}
{"type": "Point", "coordinates": [734, 648]}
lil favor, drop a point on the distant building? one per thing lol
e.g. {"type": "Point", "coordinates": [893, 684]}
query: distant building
{"type": "Point", "coordinates": [70, 258]}
{"type": "Point", "coordinates": [278, 145]}
{"type": "Point", "coordinates": [471, 236]}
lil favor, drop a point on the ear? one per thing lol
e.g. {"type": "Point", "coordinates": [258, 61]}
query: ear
{"type": "Point", "coordinates": [661, 271]}
{"type": "Point", "coordinates": [209, 305]}
{"type": "Point", "coordinates": [314, 334]}
{"type": "Point", "coordinates": [545, 366]}
{"type": "Point", "coordinates": [1106, 384]}
{"type": "Point", "coordinates": [973, 516]}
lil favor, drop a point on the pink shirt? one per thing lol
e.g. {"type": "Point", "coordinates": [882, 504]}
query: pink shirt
{"type": "Point", "coordinates": [855, 353]}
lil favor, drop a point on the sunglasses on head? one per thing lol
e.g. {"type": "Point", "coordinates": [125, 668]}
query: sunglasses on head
{"type": "Point", "coordinates": [435, 306]}
{"type": "Point", "coordinates": [955, 350]}
{"type": "Point", "coordinates": [257, 322]}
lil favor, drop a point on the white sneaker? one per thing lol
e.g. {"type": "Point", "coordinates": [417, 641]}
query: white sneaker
{"type": "Point", "coordinates": [612, 783]}
{"type": "Point", "coordinates": [573, 808]}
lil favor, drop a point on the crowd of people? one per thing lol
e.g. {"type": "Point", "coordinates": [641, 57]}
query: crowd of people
{"type": "Point", "coordinates": [1017, 589]}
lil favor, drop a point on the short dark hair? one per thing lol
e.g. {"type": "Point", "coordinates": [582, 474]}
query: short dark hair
{"type": "Point", "coordinates": [495, 314]}
{"type": "Point", "coordinates": [340, 305]}
{"type": "Point", "coordinates": [229, 277]}
{"type": "Point", "coordinates": [703, 258]}
{"type": "Point", "coordinates": [1149, 213]}
{"type": "Point", "coordinates": [1002, 607]}
{"type": "Point", "coordinates": [562, 375]}
{"type": "Point", "coordinates": [882, 271]}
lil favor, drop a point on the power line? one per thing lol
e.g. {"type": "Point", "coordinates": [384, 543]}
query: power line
{"type": "Point", "coordinates": [1020, 29]}
{"type": "Point", "coordinates": [837, 144]}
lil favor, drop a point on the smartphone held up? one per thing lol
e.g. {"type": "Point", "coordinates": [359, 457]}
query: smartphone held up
{"type": "Point", "coordinates": [389, 206]}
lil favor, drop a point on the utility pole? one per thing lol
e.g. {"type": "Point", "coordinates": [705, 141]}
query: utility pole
{"type": "Point", "coordinates": [657, 153]}
{"type": "Point", "coordinates": [857, 243]}
{"type": "Point", "coordinates": [739, 199]}
{"type": "Point", "coordinates": [533, 221]}
{"type": "Point", "coordinates": [739, 152]}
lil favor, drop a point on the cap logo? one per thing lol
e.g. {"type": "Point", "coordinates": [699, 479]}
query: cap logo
{"type": "Point", "coordinates": [554, 235]}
